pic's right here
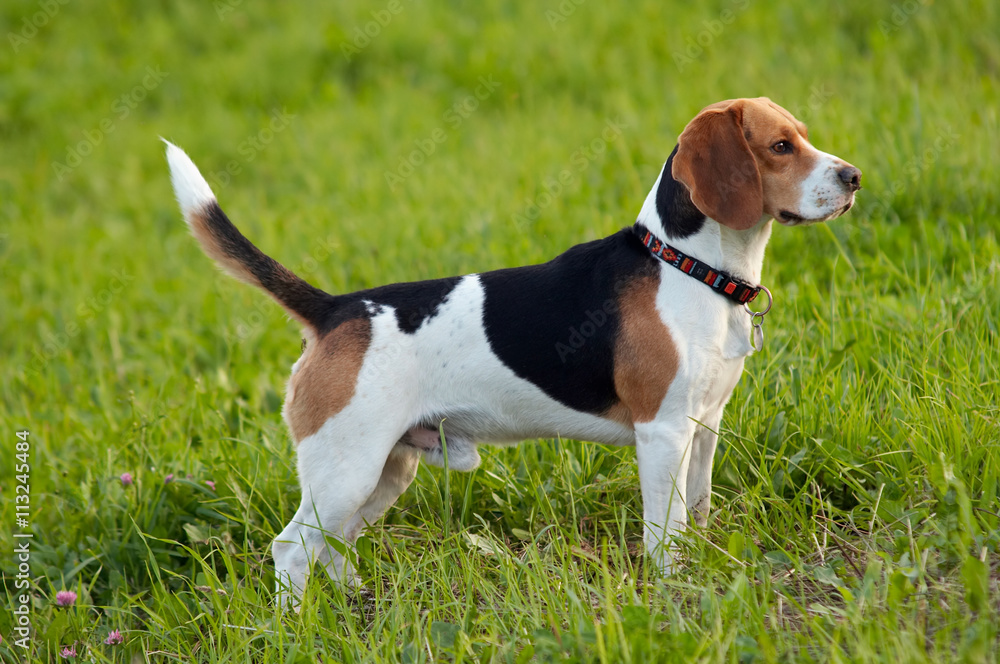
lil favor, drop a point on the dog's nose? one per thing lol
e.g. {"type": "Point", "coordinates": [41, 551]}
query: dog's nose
{"type": "Point", "coordinates": [851, 177]}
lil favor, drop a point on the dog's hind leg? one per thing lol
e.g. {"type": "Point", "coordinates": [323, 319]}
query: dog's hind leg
{"type": "Point", "coordinates": [341, 466]}
{"type": "Point", "coordinates": [397, 474]}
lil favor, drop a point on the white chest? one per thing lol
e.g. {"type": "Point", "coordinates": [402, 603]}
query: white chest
{"type": "Point", "coordinates": [712, 336]}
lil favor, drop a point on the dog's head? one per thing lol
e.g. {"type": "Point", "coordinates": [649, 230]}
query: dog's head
{"type": "Point", "coordinates": [742, 159]}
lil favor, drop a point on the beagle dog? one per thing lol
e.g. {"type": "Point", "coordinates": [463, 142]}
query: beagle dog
{"type": "Point", "coordinates": [635, 339]}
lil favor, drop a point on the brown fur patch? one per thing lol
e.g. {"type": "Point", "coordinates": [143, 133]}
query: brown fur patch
{"type": "Point", "coordinates": [646, 358]}
{"type": "Point", "coordinates": [327, 378]}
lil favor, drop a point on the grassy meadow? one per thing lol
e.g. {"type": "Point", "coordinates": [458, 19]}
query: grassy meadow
{"type": "Point", "coordinates": [857, 507]}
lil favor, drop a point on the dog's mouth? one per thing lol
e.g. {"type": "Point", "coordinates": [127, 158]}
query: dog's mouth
{"type": "Point", "coordinates": [789, 218]}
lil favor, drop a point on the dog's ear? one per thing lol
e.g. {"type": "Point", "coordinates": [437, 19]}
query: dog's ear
{"type": "Point", "coordinates": [714, 162]}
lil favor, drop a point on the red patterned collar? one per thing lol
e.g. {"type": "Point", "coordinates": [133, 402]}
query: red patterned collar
{"type": "Point", "coordinates": [737, 290]}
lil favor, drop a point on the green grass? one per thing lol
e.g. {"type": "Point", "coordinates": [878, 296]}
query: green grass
{"type": "Point", "coordinates": [856, 516]}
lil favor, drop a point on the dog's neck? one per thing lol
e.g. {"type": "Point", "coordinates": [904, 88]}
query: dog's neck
{"type": "Point", "coordinates": [671, 215]}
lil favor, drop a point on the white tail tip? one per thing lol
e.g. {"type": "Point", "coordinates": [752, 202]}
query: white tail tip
{"type": "Point", "coordinates": [190, 188]}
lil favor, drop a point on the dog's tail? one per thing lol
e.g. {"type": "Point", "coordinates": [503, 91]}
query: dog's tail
{"type": "Point", "coordinates": [224, 243]}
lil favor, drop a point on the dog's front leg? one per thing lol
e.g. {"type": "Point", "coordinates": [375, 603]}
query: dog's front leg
{"type": "Point", "coordinates": [663, 449]}
{"type": "Point", "coordinates": [699, 478]}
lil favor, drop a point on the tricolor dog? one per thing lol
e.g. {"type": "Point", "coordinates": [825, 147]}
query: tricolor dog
{"type": "Point", "coordinates": [636, 339]}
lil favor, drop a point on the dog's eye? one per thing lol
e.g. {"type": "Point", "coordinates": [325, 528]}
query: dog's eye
{"type": "Point", "coordinates": [781, 147]}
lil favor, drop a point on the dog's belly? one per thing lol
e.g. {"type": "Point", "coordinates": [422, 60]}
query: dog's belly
{"type": "Point", "coordinates": [464, 428]}
{"type": "Point", "coordinates": [499, 427]}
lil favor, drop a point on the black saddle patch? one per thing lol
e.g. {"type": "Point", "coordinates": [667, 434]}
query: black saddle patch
{"type": "Point", "coordinates": [555, 324]}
